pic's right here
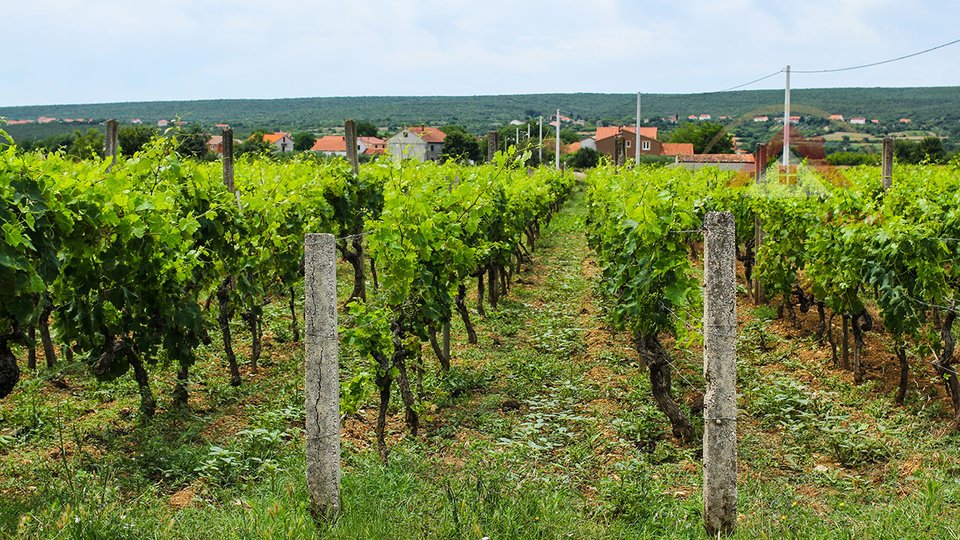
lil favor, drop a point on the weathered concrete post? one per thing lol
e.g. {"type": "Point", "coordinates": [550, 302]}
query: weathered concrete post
{"type": "Point", "coordinates": [350, 138]}
{"type": "Point", "coordinates": [619, 150]}
{"type": "Point", "coordinates": [227, 143]}
{"type": "Point", "coordinates": [720, 371]}
{"type": "Point", "coordinates": [760, 157]}
{"type": "Point", "coordinates": [322, 381]}
{"type": "Point", "coordinates": [110, 144]}
{"type": "Point", "coordinates": [887, 163]}
{"type": "Point", "coordinates": [493, 142]}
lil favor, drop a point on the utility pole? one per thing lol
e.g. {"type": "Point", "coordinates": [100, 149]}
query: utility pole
{"type": "Point", "coordinates": [540, 146]}
{"type": "Point", "coordinates": [558, 140]}
{"type": "Point", "coordinates": [786, 124]}
{"type": "Point", "coordinates": [636, 143]}
{"type": "Point", "coordinates": [517, 139]}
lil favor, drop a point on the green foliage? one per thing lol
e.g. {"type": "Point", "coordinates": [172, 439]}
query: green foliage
{"type": "Point", "coordinates": [707, 137]}
{"type": "Point", "coordinates": [133, 138]}
{"type": "Point", "coordinates": [303, 141]}
{"type": "Point", "coordinates": [584, 158]}
{"type": "Point", "coordinates": [192, 141]}
{"type": "Point", "coordinates": [460, 146]}
{"type": "Point", "coordinates": [853, 158]}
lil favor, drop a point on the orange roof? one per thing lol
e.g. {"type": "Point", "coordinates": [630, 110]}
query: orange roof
{"type": "Point", "coordinates": [718, 158]}
{"type": "Point", "coordinates": [677, 149]}
{"type": "Point", "coordinates": [372, 141]}
{"type": "Point", "coordinates": [429, 134]}
{"type": "Point", "coordinates": [330, 143]}
{"type": "Point", "coordinates": [611, 131]}
{"type": "Point", "coordinates": [573, 148]}
{"type": "Point", "coordinates": [274, 137]}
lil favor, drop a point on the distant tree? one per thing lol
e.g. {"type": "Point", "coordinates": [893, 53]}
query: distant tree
{"type": "Point", "coordinates": [303, 141]}
{"type": "Point", "coordinates": [584, 158]}
{"type": "Point", "coordinates": [366, 129]}
{"type": "Point", "coordinates": [132, 138]}
{"type": "Point", "coordinates": [907, 151]}
{"type": "Point", "coordinates": [931, 149]}
{"type": "Point", "coordinates": [707, 137]}
{"type": "Point", "coordinates": [192, 141]}
{"type": "Point", "coordinates": [568, 136]}
{"type": "Point", "coordinates": [254, 144]}
{"type": "Point", "coordinates": [460, 146]}
{"type": "Point", "coordinates": [86, 145]}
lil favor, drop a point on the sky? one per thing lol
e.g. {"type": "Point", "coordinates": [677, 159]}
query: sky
{"type": "Point", "coordinates": [98, 51]}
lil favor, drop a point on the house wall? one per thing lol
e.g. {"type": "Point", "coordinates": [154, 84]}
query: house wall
{"type": "Point", "coordinates": [406, 145]}
{"type": "Point", "coordinates": [605, 146]}
{"type": "Point", "coordinates": [284, 144]}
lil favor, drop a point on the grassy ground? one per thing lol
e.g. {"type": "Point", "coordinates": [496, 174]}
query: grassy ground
{"type": "Point", "coordinates": [546, 429]}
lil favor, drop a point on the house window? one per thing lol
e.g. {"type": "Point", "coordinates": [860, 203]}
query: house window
{"type": "Point", "coordinates": [645, 145]}
{"type": "Point", "coordinates": [628, 144]}
{"type": "Point", "coordinates": [431, 148]}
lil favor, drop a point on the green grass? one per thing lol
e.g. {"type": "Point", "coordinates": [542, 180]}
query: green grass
{"type": "Point", "coordinates": [542, 430]}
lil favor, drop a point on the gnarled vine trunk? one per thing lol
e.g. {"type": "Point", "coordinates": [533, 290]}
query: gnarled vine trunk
{"type": "Point", "coordinates": [945, 364]}
{"type": "Point", "coordinates": [460, 300]}
{"type": "Point", "coordinates": [355, 258]}
{"type": "Point", "coordinates": [658, 361]}
{"type": "Point", "coordinates": [9, 371]}
{"type": "Point", "coordinates": [223, 318]}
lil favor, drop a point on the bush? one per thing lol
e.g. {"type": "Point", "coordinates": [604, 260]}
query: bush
{"type": "Point", "coordinates": [853, 158]}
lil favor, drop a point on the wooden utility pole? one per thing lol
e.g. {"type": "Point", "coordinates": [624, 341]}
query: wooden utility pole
{"type": "Point", "coordinates": [636, 143]}
{"type": "Point", "coordinates": [558, 140]}
{"type": "Point", "coordinates": [110, 144]}
{"type": "Point", "coordinates": [887, 163]}
{"type": "Point", "coordinates": [227, 143]}
{"type": "Point", "coordinates": [720, 371]}
{"type": "Point", "coordinates": [322, 380]}
{"type": "Point", "coordinates": [493, 142]}
{"type": "Point", "coordinates": [786, 124]}
{"type": "Point", "coordinates": [350, 139]}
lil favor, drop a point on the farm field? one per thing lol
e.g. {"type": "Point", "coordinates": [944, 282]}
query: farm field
{"type": "Point", "coordinates": [546, 427]}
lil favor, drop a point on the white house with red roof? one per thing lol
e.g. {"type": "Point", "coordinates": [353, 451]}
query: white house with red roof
{"type": "Point", "coordinates": [281, 141]}
{"type": "Point", "coordinates": [422, 143]}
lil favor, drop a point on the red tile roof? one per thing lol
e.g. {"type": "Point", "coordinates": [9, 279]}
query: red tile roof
{"type": "Point", "coordinates": [429, 134]}
{"type": "Point", "coordinates": [717, 158]}
{"type": "Point", "coordinates": [611, 131]}
{"type": "Point", "coordinates": [274, 137]}
{"type": "Point", "coordinates": [677, 149]}
{"type": "Point", "coordinates": [330, 143]}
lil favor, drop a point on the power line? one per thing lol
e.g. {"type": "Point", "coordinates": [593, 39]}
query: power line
{"type": "Point", "coordinates": [861, 66]}
{"type": "Point", "coordinates": [779, 71]}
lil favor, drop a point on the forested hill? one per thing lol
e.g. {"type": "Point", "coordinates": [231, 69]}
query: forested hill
{"type": "Point", "coordinates": [933, 107]}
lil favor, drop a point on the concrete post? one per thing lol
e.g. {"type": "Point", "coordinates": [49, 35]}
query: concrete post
{"type": "Point", "coordinates": [887, 163]}
{"type": "Point", "coordinates": [227, 142]}
{"type": "Point", "coordinates": [350, 139]}
{"type": "Point", "coordinates": [558, 140]}
{"type": "Point", "coordinates": [636, 150]}
{"type": "Point", "coordinates": [493, 142]}
{"type": "Point", "coordinates": [720, 371]}
{"type": "Point", "coordinates": [110, 144]}
{"type": "Point", "coordinates": [322, 381]}
{"type": "Point", "coordinates": [540, 146]}
{"type": "Point", "coordinates": [761, 159]}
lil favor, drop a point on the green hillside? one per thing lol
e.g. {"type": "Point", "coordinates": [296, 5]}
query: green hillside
{"type": "Point", "coordinates": [931, 108]}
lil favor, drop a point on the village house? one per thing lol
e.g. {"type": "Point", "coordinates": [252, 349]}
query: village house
{"type": "Point", "coordinates": [422, 143]}
{"type": "Point", "coordinates": [604, 142]}
{"type": "Point", "coordinates": [281, 141]}
{"type": "Point", "coordinates": [336, 145]}
{"type": "Point", "coordinates": [858, 120]}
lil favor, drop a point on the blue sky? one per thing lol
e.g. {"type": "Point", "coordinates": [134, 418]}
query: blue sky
{"type": "Point", "coordinates": [89, 51]}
